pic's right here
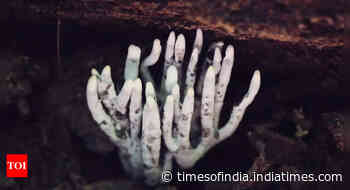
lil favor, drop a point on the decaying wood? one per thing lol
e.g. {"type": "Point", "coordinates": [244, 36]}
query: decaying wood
{"type": "Point", "coordinates": [311, 22]}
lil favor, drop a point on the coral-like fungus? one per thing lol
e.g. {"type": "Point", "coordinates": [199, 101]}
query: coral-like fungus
{"type": "Point", "coordinates": [137, 129]}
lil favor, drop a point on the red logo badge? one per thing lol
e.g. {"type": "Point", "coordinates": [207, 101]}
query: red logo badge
{"type": "Point", "coordinates": [17, 165]}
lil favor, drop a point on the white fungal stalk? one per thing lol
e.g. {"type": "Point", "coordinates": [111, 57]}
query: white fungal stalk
{"type": "Point", "coordinates": [141, 153]}
{"type": "Point", "coordinates": [212, 89]}
{"type": "Point", "coordinates": [140, 156]}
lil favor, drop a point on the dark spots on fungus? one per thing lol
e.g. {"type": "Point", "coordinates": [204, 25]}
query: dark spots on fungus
{"type": "Point", "coordinates": [182, 147]}
{"type": "Point", "coordinates": [118, 115]}
{"type": "Point", "coordinates": [184, 117]}
{"type": "Point", "coordinates": [217, 134]}
{"type": "Point", "coordinates": [104, 122]}
{"type": "Point", "coordinates": [104, 94]}
{"type": "Point", "coordinates": [205, 132]}
{"type": "Point", "coordinates": [121, 133]}
{"type": "Point", "coordinates": [149, 147]}
{"type": "Point", "coordinates": [151, 140]}
{"type": "Point", "coordinates": [154, 161]}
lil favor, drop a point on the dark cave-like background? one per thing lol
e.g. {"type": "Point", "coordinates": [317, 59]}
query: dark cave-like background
{"type": "Point", "coordinates": [297, 45]}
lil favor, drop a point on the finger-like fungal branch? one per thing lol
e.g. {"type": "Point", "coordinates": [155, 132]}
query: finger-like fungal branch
{"type": "Point", "coordinates": [212, 87]}
{"type": "Point", "coordinates": [137, 128]}
{"type": "Point", "coordinates": [121, 116]}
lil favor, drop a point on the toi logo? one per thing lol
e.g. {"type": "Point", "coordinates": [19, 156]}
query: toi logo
{"type": "Point", "coordinates": [16, 165]}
